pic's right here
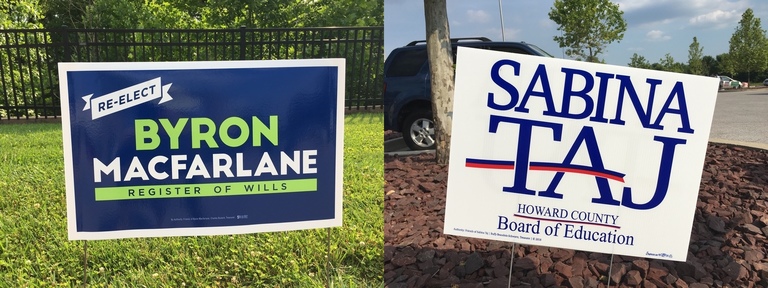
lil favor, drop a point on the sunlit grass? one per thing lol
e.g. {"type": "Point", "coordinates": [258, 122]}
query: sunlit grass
{"type": "Point", "coordinates": [35, 252]}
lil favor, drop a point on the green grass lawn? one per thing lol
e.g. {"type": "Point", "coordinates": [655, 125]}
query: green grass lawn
{"type": "Point", "coordinates": [35, 252]}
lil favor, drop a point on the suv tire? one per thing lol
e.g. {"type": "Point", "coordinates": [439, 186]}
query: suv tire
{"type": "Point", "coordinates": [419, 130]}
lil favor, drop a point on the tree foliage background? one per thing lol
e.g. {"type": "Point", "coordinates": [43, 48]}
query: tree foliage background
{"type": "Point", "coordinates": [748, 45]}
{"type": "Point", "coordinates": [203, 13]}
{"type": "Point", "coordinates": [695, 54]}
{"type": "Point", "coordinates": [28, 78]}
{"type": "Point", "coordinates": [588, 26]}
{"type": "Point", "coordinates": [747, 58]}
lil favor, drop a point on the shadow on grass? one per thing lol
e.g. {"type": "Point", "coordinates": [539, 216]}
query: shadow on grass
{"type": "Point", "coordinates": [365, 117]}
{"type": "Point", "coordinates": [22, 128]}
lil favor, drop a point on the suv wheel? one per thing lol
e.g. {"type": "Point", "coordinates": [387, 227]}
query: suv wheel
{"type": "Point", "coordinates": [419, 131]}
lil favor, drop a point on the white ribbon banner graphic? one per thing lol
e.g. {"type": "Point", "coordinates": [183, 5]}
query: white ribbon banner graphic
{"type": "Point", "coordinates": [127, 97]}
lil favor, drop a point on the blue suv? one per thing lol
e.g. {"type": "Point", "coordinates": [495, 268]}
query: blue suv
{"type": "Point", "coordinates": [407, 92]}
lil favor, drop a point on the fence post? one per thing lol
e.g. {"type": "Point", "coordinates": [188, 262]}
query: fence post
{"type": "Point", "coordinates": [67, 49]}
{"type": "Point", "coordinates": [242, 42]}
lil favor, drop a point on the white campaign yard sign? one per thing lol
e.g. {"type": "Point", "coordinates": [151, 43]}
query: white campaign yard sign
{"type": "Point", "coordinates": [576, 155]}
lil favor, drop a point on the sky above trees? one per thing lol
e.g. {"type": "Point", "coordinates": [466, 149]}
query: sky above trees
{"type": "Point", "coordinates": [655, 27]}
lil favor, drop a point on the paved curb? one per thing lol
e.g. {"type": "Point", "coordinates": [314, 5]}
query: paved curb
{"type": "Point", "coordinates": [740, 143]}
{"type": "Point", "coordinates": [397, 146]}
{"type": "Point", "coordinates": [408, 153]}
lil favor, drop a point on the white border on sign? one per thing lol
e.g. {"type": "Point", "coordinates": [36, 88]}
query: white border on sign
{"type": "Point", "coordinates": [73, 234]}
{"type": "Point", "coordinates": [478, 207]}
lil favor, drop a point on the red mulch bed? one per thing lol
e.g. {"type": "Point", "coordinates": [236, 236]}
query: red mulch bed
{"type": "Point", "coordinates": [728, 241]}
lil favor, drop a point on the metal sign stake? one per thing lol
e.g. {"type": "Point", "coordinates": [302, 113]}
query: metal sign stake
{"type": "Point", "coordinates": [85, 263]}
{"type": "Point", "coordinates": [511, 261]}
{"type": "Point", "coordinates": [328, 260]}
{"type": "Point", "coordinates": [610, 270]}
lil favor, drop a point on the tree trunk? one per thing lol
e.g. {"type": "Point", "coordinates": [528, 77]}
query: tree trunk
{"type": "Point", "coordinates": [441, 71]}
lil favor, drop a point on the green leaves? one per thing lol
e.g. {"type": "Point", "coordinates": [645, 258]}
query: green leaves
{"type": "Point", "coordinates": [695, 53]}
{"type": "Point", "coordinates": [20, 14]}
{"type": "Point", "coordinates": [587, 26]}
{"type": "Point", "coordinates": [205, 14]}
{"type": "Point", "coordinates": [668, 64]}
{"type": "Point", "coordinates": [638, 61]}
{"type": "Point", "coordinates": [748, 46]}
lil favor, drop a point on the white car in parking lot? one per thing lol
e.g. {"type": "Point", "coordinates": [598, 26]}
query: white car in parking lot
{"type": "Point", "coordinates": [728, 82]}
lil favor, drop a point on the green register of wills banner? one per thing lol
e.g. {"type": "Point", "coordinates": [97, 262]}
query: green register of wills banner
{"type": "Point", "coordinates": [206, 189]}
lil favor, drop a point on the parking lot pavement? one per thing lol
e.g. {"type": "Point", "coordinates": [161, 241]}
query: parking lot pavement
{"type": "Point", "coordinates": [741, 117]}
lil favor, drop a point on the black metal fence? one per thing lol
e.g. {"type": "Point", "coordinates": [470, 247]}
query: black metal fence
{"type": "Point", "coordinates": [29, 57]}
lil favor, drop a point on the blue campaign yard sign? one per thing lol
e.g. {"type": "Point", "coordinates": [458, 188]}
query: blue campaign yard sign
{"type": "Point", "coordinates": [202, 148]}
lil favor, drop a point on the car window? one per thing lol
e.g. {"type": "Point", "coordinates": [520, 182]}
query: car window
{"type": "Point", "coordinates": [407, 63]}
{"type": "Point", "coordinates": [517, 50]}
{"type": "Point", "coordinates": [534, 47]}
